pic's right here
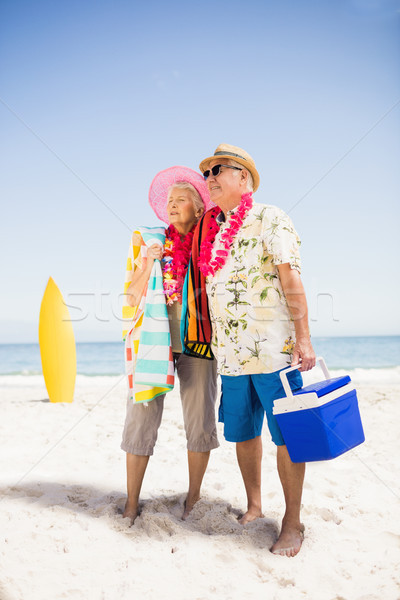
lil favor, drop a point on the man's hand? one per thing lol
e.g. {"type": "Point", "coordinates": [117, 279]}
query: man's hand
{"type": "Point", "coordinates": [304, 354]}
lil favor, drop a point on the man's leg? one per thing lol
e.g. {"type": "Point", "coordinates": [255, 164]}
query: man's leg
{"type": "Point", "coordinates": [292, 478]}
{"type": "Point", "coordinates": [269, 388]}
{"type": "Point", "coordinates": [135, 470]}
{"type": "Point", "coordinates": [249, 455]}
{"type": "Point", "coordinates": [243, 416]}
{"type": "Point", "coordinates": [197, 462]}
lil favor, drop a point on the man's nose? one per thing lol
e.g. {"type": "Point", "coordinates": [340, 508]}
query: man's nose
{"type": "Point", "coordinates": [211, 183]}
{"type": "Point", "coordinates": [211, 179]}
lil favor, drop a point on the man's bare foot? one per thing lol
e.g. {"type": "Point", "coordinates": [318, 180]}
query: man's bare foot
{"type": "Point", "coordinates": [188, 505]}
{"type": "Point", "coordinates": [289, 541]}
{"type": "Point", "coordinates": [251, 515]}
{"type": "Point", "coordinates": [130, 512]}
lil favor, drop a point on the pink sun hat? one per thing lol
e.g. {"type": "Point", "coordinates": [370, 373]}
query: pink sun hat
{"type": "Point", "coordinates": [162, 182]}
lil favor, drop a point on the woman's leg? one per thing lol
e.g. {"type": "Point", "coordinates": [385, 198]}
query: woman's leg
{"type": "Point", "coordinates": [138, 441]}
{"type": "Point", "coordinates": [197, 463]}
{"type": "Point", "coordinates": [135, 469]}
{"type": "Point", "coordinates": [198, 386]}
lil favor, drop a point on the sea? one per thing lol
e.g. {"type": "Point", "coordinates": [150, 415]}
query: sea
{"type": "Point", "coordinates": [369, 359]}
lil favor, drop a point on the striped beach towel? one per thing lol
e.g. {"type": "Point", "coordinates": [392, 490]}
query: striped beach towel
{"type": "Point", "coordinates": [148, 354]}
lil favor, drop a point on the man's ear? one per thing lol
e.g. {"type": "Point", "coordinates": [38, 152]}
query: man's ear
{"type": "Point", "coordinates": [243, 177]}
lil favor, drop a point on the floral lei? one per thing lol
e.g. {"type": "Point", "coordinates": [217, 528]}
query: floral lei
{"type": "Point", "coordinates": [175, 262]}
{"type": "Point", "coordinates": [209, 265]}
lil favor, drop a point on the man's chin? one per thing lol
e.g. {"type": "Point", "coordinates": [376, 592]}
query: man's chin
{"type": "Point", "coordinates": [215, 196]}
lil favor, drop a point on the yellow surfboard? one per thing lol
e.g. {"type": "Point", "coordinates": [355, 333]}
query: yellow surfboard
{"type": "Point", "coordinates": [57, 345]}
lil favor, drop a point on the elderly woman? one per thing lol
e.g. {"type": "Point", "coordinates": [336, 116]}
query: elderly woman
{"type": "Point", "coordinates": [179, 197]}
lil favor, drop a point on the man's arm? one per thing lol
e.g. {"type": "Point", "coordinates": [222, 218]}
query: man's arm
{"type": "Point", "coordinates": [297, 303]}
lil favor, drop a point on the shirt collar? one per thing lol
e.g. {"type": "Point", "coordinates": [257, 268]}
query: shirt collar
{"type": "Point", "coordinates": [220, 218]}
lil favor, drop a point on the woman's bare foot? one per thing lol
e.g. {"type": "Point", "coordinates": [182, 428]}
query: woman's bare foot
{"type": "Point", "coordinates": [131, 511]}
{"type": "Point", "coordinates": [289, 541]}
{"type": "Point", "coordinates": [188, 505]}
{"type": "Point", "coordinates": [251, 515]}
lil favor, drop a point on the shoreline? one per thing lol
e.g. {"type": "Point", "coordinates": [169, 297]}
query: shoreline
{"type": "Point", "coordinates": [359, 375]}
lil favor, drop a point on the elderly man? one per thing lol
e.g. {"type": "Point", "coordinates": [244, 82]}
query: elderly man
{"type": "Point", "coordinates": [249, 254]}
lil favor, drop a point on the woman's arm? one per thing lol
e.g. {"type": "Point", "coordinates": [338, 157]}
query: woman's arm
{"type": "Point", "coordinates": [140, 277]}
{"type": "Point", "coordinates": [297, 303]}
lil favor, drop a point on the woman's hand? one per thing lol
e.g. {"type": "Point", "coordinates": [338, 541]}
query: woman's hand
{"type": "Point", "coordinates": [141, 277]}
{"type": "Point", "coordinates": [154, 252]}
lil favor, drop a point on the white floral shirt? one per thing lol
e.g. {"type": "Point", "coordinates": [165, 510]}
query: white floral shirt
{"type": "Point", "coordinates": [253, 331]}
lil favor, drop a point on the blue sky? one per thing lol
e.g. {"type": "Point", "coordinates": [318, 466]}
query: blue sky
{"type": "Point", "coordinates": [97, 97]}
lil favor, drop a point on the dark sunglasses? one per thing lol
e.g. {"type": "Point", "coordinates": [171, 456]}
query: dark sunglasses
{"type": "Point", "coordinates": [217, 169]}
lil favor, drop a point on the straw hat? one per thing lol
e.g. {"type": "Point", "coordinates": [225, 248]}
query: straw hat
{"type": "Point", "coordinates": [237, 154]}
{"type": "Point", "coordinates": [158, 192]}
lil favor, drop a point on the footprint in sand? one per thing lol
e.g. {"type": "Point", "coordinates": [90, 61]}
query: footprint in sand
{"type": "Point", "coordinates": [328, 515]}
{"type": "Point", "coordinates": [325, 513]}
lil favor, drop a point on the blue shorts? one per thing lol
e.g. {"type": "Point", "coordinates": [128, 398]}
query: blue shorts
{"type": "Point", "coordinates": [244, 399]}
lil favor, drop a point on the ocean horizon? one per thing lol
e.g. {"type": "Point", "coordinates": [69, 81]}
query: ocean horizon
{"type": "Point", "coordinates": [107, 358]}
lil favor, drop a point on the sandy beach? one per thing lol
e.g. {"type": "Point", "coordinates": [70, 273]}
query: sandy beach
{"type": "Point", "coordinates": [63, 488]}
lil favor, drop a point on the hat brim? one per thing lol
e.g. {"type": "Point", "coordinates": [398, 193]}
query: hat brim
{"type": "Point", "coordinates": [158, 192]}
{"type": "Point", "coordinates": [256, 178]}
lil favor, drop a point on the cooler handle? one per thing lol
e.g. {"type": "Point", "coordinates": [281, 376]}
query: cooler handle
{"type": "Point", "coordinates": [283, 375]}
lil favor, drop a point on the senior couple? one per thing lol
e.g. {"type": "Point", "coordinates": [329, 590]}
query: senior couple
{"type": "Point", "coordinates": [242, 311]}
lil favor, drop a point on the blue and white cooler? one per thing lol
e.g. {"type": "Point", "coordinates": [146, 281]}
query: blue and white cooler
{"type": "Point", "coordinates": [319, 421]}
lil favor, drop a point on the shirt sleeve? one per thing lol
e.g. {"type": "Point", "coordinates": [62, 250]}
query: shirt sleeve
{"type": "Point", "coordinates": [281, 239]}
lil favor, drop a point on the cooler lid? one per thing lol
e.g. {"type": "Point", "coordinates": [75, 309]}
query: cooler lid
{"type": "Point", "coordinates": [324, 387]}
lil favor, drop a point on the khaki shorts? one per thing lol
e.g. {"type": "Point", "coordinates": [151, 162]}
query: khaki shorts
{"type": "Point", "coordinates": [198, 390]}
